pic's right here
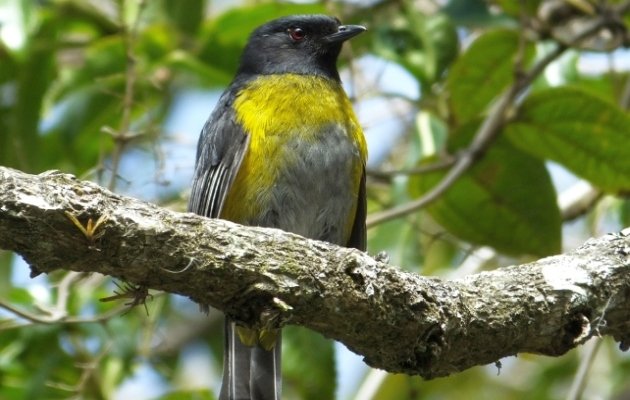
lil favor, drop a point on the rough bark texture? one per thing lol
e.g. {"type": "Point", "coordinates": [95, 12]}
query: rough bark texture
{"type": "Point", "coordinates": [399, 321]}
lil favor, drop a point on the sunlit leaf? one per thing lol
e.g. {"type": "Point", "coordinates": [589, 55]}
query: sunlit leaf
{"type": "Point", "coordinates": [482, 72]}
{"type": "Point", "coordinates": [185, 15]}
{"type": "Point", "coordinates": [34, 76]}
{"type": "Point", "coordinates": [424, 44]}
{"type": "Point", "coordinates": [516, 8]}
{"type": "Point", "coordinates": [104, 59]}
{"type": "Point", "coordinates": [439, 43]}
{"type": "Point", "coordinates": [192, 69]}
{"type": "Point", "coordinates": [579, 130]}
{"type": "Point", "coordinates": [153, 44]}
{"type": "Point", "coordinates": [6, 269]}
{"type": "Point", "coordinates": [20, 296]}
{"type": "Point", "coordinates": [400, 239]}
{"type": "Point", "coordinates": [506, 200]}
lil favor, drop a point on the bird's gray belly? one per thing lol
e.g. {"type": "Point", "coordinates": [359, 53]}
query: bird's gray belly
{"type": "Point", "coordinates": [314, 193]}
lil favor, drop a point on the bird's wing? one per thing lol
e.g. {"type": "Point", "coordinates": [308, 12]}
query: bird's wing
{"type": "Point", "coordinates": [220, 151]}
{"type": "Point", "coordinates": [358, 237]}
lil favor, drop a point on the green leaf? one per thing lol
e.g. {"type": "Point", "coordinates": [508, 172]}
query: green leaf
{"type": "Point", "coordinates": [105, 61]}
{"type": "Point", "coordinates": [197, 71]}
{"type": "Point", "coordinates": [579, 130]}
{"type": "Point", "coordinates": [185, 15]}
{"type": "Point", "coordinates": [153, 44]}
{"type": "Point", "coordinates": [506, 201]}
{"type": "Point", "coordinates": [607, 84]}
{"type": "Point", "coordinates": [20, 297]}
{"type": "Point", "coordinates": [8, 64]}
{"type": "Point", "coordinates": [425, 45]}
{"type": "Point", "coordinates": [431, 132]}
{"type": "Point", "coordinates": [73, 140]}
{"type": "Point", "coordinates": [6, 268]}
{"type": "Point", "coordinates": [482, 72]}
{"type": "Point", "coordinates": [201, 394]}
{"type": "Point", "coordinates": [35, 75]}
{"type": "Point", "coordinates": [516, 7]}
{"type": "Point", "coordinates": [400, 239]}
{"type": "Point", "coordinates": [403, 239]}
{"type": "Point", "coordinates": [308, 364]}
{"type": "Point", "coordinates": [9, 68]}
{"type": "Point", "coordinates": [442, 44]}
{"type": "Point", "coordinates": [223, 39]}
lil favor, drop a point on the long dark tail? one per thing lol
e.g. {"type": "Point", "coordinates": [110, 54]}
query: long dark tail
{"type": "Point", "coordinates": [249, 372]}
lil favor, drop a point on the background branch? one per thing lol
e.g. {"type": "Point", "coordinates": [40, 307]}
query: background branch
{"type": "Point", "coordinates": [398, 321]}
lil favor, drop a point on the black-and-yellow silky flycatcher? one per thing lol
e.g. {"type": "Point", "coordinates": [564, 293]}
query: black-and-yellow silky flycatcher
{"type": "Point", "coordinates": [283, 149]}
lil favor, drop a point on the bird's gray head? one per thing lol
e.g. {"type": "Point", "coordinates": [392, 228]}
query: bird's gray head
{"type": "Point", "coordinates": [302, 44]}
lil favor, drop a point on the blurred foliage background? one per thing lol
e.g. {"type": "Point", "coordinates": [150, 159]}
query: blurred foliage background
{"type": "Point", "coordinates": [527, 99]}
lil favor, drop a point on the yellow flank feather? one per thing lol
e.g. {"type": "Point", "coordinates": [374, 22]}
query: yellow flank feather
{"type": "Point", "coordinates": [264, 338]}
{"type": "Point", "coordinates": [247, 336]}
{"type": "Point", "coordinates": [273, 109]}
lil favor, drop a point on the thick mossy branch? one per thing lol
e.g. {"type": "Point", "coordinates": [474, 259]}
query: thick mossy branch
{"type": "Point", "coordinates": [399, 321]}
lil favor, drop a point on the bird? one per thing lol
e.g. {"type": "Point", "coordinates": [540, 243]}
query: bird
{"type": "Point", "coordinates": [284, 149]}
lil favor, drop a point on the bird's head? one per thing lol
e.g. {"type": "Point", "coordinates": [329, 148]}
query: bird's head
{"type": "Point", "coordinates": [301, 44]}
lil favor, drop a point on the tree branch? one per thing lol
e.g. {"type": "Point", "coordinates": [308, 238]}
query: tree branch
{"type": "Point", "coordinates": [398, 321]}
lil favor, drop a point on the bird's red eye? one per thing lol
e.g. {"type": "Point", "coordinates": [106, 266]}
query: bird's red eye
{"type": "Point", "coordinates": [296, 34]}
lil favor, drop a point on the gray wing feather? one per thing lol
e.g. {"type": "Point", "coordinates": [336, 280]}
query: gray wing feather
{"type": "Point", "coordinates": [220, 151]}
{"type": "Point", "coordinates": [358, 236]}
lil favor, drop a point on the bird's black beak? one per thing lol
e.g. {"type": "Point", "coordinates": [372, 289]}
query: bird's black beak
{"type": "Point", "coordinates": [344, 32]}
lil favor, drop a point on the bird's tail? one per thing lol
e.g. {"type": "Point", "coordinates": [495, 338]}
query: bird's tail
{"type": "Point", "coordinates": [249, 372]}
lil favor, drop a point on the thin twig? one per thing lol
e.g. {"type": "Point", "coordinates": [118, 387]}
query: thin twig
{"type": "Point", "coordinates": [581, 376]}
{"type": "Point", "coordinates": [58, 317]}
{"type": "Point", "coordinates": [88, 372]}
{"type": "Point", "coordinates": [444, 163]}
{"type": "Point", "coordinates": [124, 135]}
{"type": "Point", "coordinates": [578, 199]}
